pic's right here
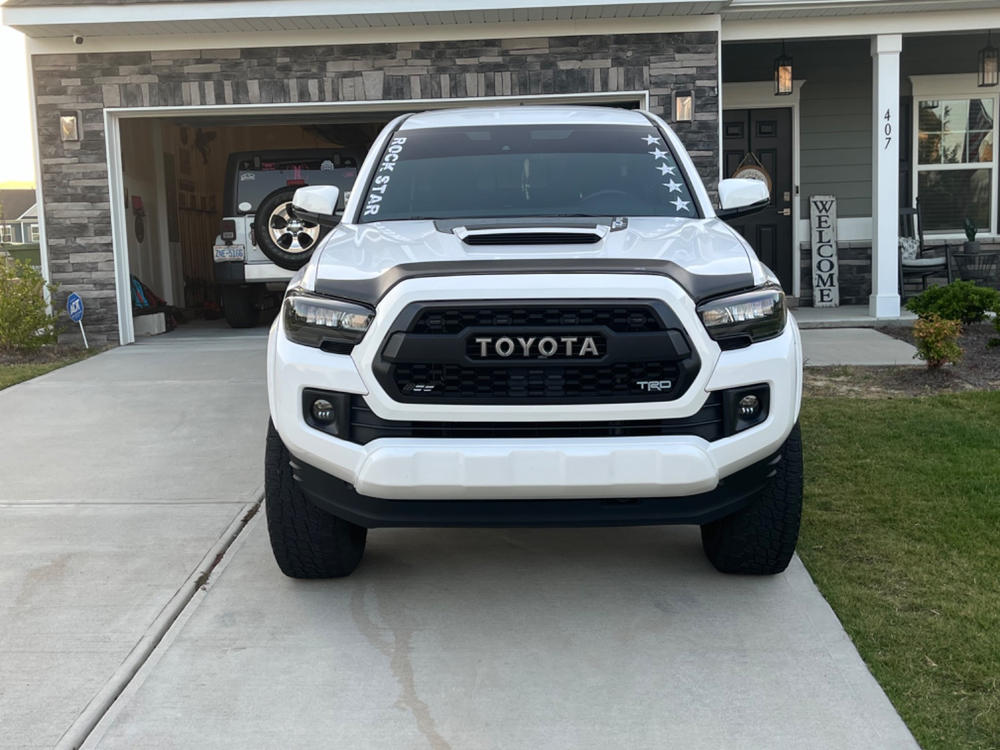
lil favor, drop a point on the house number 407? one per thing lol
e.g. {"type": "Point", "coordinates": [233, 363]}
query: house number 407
{"type": "Point", "coordinates": [887, 128]}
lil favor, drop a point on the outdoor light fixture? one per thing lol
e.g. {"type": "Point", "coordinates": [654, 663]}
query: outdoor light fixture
{"type": "Point", "coordinates": [989, 63]}
{"type": "Point", "coordinates": [683, 106]}
{"type": "Point", "coordinates": [782, 73]}
{"type": "Point", "coordinates": [69, 129]}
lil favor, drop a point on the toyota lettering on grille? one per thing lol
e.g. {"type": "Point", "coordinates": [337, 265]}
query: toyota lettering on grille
{"type": "Point", "coordinates": [536, 347]}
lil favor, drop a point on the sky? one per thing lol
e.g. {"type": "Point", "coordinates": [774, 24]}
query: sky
{"type": "Point", "coordinates": [17, 160]}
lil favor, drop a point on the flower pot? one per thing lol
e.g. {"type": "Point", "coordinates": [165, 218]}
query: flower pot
{"type": "Point", "coordinates": [971, 246]}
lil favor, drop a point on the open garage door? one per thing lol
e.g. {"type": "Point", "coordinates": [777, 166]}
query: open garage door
{"type": "Point", "coordinates": [199, 196]}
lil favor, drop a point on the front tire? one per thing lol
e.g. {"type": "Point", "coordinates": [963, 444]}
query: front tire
{"type": "Point", "coordinates": [760, 538]}
{"type": "Point", "coordinates": [307, 542]}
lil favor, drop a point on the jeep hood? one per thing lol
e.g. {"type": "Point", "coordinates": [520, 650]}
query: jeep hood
{"type": "Point", "coordinates": [363, 261]}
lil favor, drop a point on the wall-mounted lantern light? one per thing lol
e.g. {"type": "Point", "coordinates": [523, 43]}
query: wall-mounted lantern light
{"type": "Point", "coordinates": [69, 128]}
{"type": "Point", "coordinates": [683, 106]}
{"type": "Point", "coordinates": [782, 73]}
{"type": "Point", "coordinates": [989, 63]}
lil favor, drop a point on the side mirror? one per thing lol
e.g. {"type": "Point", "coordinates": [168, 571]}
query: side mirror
{"type": "Point", "coordinates": [317, 203]}
{"type": "Point", "coordinates": [741, 197]}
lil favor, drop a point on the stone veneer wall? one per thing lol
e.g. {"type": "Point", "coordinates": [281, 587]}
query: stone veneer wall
{"type": "Point", "coordinates": [74, 175]}
{"type": "Point", "coordinates": [855, 259]}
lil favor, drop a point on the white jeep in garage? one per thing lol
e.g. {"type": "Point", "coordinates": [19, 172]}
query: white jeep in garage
{"type": "Point", "coordinates": [532, 316]}
{"type": "Point", "coordinates": [259, 242]}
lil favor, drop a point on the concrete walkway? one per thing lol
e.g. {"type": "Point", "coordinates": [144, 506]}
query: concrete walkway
{"type": "Point", "coordinates": [856, 346]}
{"type": "Point", "coordinates": [131, 467]}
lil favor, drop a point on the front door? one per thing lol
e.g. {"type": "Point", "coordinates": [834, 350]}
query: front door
{"type": "Point", "coordinates": [767, 133]}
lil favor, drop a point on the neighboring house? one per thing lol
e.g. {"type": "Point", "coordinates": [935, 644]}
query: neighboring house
{"type": "Point", "coordinates": [18, 217]}
{"type": "Point", "coordinates": [138, 105]}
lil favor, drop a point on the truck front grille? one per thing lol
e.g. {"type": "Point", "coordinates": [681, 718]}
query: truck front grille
{"type": "Point", "coordinates": [535, 353]}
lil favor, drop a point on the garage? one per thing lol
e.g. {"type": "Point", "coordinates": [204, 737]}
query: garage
{"type": "Point", "coordinates": [182, 176]}
{"type": "Point", "coordinates": [193, 182]}
{"type": "Point", "coordinates": [138, 113]}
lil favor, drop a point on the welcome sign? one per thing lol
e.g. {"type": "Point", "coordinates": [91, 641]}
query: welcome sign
{"type": "Point", "coordinates": [823, 236]}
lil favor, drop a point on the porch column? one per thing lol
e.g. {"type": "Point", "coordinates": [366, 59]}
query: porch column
{"type": "Point", "coordinates": [884, 300]}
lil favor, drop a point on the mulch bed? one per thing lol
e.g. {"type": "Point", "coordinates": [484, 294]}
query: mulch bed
{"type": "Point", "coordinates": [44, 355]}
{"type": "Point", "coordinates": [979, 369]}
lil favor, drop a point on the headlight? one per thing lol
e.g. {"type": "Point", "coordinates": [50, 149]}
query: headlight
{"type": "Point", "coordinates": [746, 318]}
{"type": "Point", "coordinates": [313, 320]}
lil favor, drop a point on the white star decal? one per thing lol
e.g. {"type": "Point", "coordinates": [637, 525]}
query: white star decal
{"type": "Point", "coordinates": [680, 205]}
{"type": "Point", "coordinates": [650, 140]}
{"type": "Point", "coordinates": [665, 169]}
{"type": "Point", "coordinates": [657, 154]}
{"type": "Point", "coordinates": [673, 187]}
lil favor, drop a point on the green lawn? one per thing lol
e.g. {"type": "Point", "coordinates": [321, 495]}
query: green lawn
{"type": "Point", "coordinates": [901, 533]}
{"type": "Point", "coordinates": [10, 374]}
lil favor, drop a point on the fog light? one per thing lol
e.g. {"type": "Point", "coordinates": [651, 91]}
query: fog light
{"type": "Point", "coordinates": [749, 406]}
{"type": "Point", "coordinates": [322, 411]}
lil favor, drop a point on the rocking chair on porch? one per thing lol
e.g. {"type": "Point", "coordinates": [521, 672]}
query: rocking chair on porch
{"type": "Point", "coordinates": [917, 262]}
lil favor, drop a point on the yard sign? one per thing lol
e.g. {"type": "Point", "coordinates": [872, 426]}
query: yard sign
{"type": "Point", "coordinates": [74, 306]}
{"type": "Point", "coordinates": [823, 236]}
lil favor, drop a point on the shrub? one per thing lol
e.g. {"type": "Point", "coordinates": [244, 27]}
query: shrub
{"type": "Point", "coordinates": [24, 321]}
{"type": "Point", "coordinates": [937, 340]}
{"type": "Point", "coordinates": [959, 300]}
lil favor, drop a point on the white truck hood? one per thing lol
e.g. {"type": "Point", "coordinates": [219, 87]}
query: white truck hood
{"type": "Point", "coordinates": [362, 261]}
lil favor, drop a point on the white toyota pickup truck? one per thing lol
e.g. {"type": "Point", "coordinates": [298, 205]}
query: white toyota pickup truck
{"type": "Point", "coordinates": [532, 316]}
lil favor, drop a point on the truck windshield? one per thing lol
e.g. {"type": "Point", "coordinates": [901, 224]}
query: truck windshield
{"type": "Point", "coordinates": [527, 170]}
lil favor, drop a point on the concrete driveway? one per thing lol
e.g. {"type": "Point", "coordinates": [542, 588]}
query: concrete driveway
{"type": "Point", "coordinates": [133, 472]}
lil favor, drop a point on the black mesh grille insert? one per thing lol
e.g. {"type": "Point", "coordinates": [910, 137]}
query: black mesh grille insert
{"type": "Point", "coordinates": [619, 318]}
{"type": "Point", "coordinates": [535, 352]}
{"type": "Point", "coordinates": [519, 382]}
{"type": "Point", "coordinates": [707, 424]}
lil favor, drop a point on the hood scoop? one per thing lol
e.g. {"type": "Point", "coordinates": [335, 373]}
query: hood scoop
{"type": "Point", "coordinates": [528, 235]}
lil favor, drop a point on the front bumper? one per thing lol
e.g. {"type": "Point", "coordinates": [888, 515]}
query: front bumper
{"type": "Point", "coordinates": [341, 499]}
{"type": "Point", "coordinates": [550, 469]}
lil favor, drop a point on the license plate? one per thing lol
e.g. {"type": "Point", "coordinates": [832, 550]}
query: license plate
{"type": "Point", "coordinates": [229, 252]}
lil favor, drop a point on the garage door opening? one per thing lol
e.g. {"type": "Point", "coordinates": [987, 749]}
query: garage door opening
{"type": "Point", "coordinates": [182, 178]}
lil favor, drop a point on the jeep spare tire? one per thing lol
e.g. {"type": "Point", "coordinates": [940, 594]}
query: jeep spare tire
{"type": "Point", "coordinates": [284, 238]}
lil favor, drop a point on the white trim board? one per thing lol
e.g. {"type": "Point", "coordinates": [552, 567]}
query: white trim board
{"type": "Point", "coordinates": [857, 229]}
{"type": "Point", "coordinates": [760, 95]}
{"type": "Point", "coordinates": [385, 34]}
{"type": "Point", "coordinates": [43, 244]}
{"type": "Point", "coordinates": [151, 12]}
{"type": "Point", "coordinates": [112, 137]}
{"type": "Point", "coordinates": [860, 25]}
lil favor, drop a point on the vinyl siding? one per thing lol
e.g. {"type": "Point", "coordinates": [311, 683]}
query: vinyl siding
{"type": "Point", "coordinates": [836, 104]}
{"type": "Point", "coordinates": [835, 114]}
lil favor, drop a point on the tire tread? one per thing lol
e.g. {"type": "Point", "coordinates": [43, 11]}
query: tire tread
{"type": "Point", "coordinates": [307, 542]}
{"type": "Point", "coordinates": [760, 538]}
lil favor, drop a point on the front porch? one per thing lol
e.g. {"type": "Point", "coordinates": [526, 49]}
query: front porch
{"type": "Point", "coordinates": [876, 122]}
{"type": "Point", "coordinates": [847, 316]}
